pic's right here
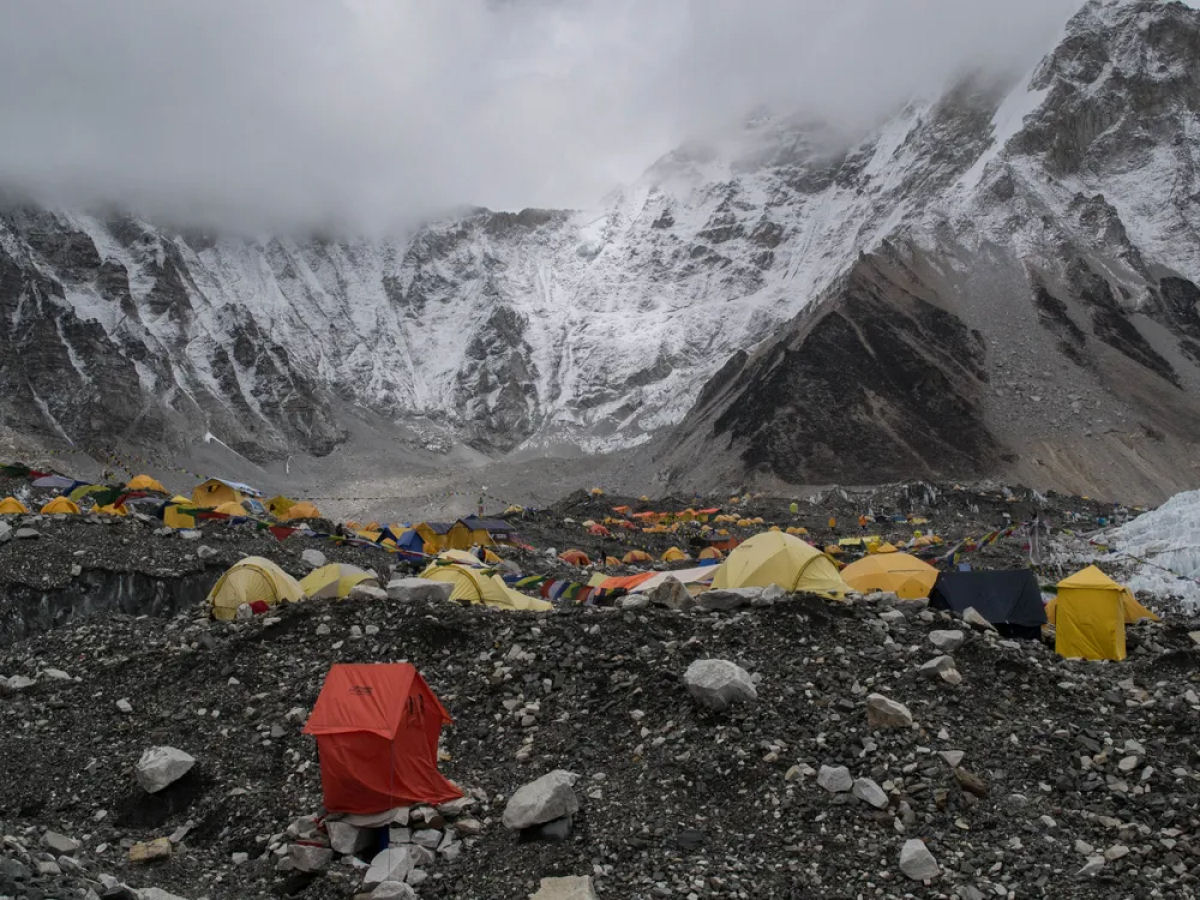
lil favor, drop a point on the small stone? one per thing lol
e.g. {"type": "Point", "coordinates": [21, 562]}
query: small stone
{"type": "Point", "coordinates": [952, 757]}
{"type": "Point", "coordinates": [1128, 763]}
{"type": "Point", "coordinates": [1092, 866]}
{"type": "Point", "coordinates": [60, 843]}
{"type": "Point", "coordinates": [917, 862]}
{"type": "Point", "coordinates": [566, 887]}
{"type": "Point", "coordinates": [345, 838]}
{"type": "Point", "coordinates": [970, 782]}
{"type": "Point", "coordinates": [941, 667]}
{"type": "Point", "coordinates": [19, 682]}
{"type": "Point", "coordinates": [162, 766]}
{"type": "Point", "coordinates": [835, 779]}
{"type": "Point", "coordinates": [393, 890]}
{"type": "Point", "coordinates": [468, 827]}
{"type": "Point", "coordinates": [123, 705]}
{"type": "Point", "coordinates": [885, 713]}
{"type": "Point", "coordinates": [718, 683]}
{"type": "Point", "coordinates": [148, 851]}
{"type": "Point", "coordinates": [1115, 852]}
{"type": "Point", "coordinates": [205, 552]}
{"type": "Point", "coordinates": [239, 859]}
{"type": "Point", "coordinates": [725, 599]}
{"type": "Point", "coordinates": [366, 591]}
{"type": "Point", "coordinates": [972, 617]}
{"type": "Point", "coordinates": [309, 857]}
{"type": "Point", "coordinates": [26, 534]}
{"type": "Point", "coordinates": [868, 791]}
{"type": "Point", "coordinates": [392, 864]}
{"type": "Point", "coordinates": [313, 558]}
{"type": "Point", "coordinates": [409, 590]}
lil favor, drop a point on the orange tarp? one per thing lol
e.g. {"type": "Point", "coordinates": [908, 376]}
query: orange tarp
{"type": "Point", "coordinates": [377, 728]}
{"type": "Point", "coordinates": [626, 581]}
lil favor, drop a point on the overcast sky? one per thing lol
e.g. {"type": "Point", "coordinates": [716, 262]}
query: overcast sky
{"type": "Point", "coordinates": [367, 111]}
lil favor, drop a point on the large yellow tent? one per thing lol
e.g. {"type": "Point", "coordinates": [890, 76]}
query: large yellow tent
{"type": "Point", "coordinates": [61, 505]}
{"type": "Point", "coordinates": [906, 576]}
{"type": "Point", "coordinates": [473, 586]}
{"type": "Point", "coordinates": [179, 515]}
{"type": "Point", "coordinates": [301, 510]}
{"type": "Point", "coordinates": [278, 505]}
{"type": "Point", "coordinates": [252, 580]}
{"type": "Point", "coordinates": [335, 580]}
{"type": "Point", "coordinates": [11, 506]}
{"type": "Point", "coordinates": [1090, 614]}
{"type": "Point", "coordinates": [214, 492]}
{"type": "Point", "coordinates": [145, 483]}
{"type": "Point", "coordinates": [775, 557]}
{"type": "Point", "coordinates": [231, 509]}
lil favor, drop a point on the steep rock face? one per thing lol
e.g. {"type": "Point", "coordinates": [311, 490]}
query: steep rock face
{"type": "Point", "coordinates": [1008, 267]}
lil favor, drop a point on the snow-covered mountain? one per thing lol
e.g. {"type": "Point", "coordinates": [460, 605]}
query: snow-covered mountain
{"type": "Point", "coordinates": [989, 276]}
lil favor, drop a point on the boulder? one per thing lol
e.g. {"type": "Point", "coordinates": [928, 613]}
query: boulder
{"type": "Point", "coordinates": [567, 887]}
{"type": "Point", "coordinates": [154, 893]}
{"type": "Point", "coordinates": [310, 857]}
{"type": "Point", "coordinates": [345, 838]}
{"type": "Point", "coordinates": [313, 558]}
{"type": "Point", "coordinates": [917, 862]}
{"type": "Point", "coordinates": [868, 791]}
{"type": "Point", "coordinates": [366, 591]}
{"type": "Point", "coordinates": [392, 864]}
{"type": "Point", "coordinates": [25, 534]}
{"type": "Point", "coordinates": [885, 713]}
{"type": "Point", "coordinates": [633, 601]}
{"type": "Point", "coordinates": [947, 641]}
{"type": "Point", "coordinates": [718, 683]}
{"type": "Point", "coordinates": [161, 766]}
{"type": "Point", "coordinates": [835, 779]}
{"type": "Point", "coordinates": [18, 683]}
{"type": "Point", "coordinates": [672, 594]}
{"type": "Point", "coordinates": [725, 599]}
{"type": "Point", "coordinates": [941, 667]}
{"type": "Point", "coordinates": [408, 590]}
{"type": "Point", "coordinates": [549, 797]}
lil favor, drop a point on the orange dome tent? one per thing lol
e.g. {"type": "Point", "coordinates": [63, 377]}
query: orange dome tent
{"type": "Point", "coordinates": [231, 509]}
{"type": "Point", "coordinates": [145, 483]}
{"type": "Point", "coordinates": [11, 506]}
{"type": "Point", "coordinates": [710, 553]}
{"type": "Point", "coordinates": [62, 506]}
{"type": "Point", "coordinates": [635, 556]}
{"type": "Point", "coordinates": [673, 554]}
{"type": "Point", "coordinates": [301, 510]}
{"type": "Point", "coordinates": [575, 557]}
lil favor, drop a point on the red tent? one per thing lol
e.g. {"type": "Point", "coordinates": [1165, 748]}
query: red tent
{"type": "Point", "coordinates": [377, 728]}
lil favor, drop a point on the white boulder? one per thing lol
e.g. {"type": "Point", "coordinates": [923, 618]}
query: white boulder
{"type": "Point", "coordinates": [162, 766]}
{"type": "Point", "coordinates": [718, 683]}
{"type": "Point", "coordinates": [550, 797]}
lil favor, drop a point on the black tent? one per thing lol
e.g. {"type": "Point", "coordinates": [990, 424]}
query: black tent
{"type": "Point", "coordinates": [1009, 599]}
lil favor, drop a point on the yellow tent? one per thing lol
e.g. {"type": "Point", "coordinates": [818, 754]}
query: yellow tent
{"type": "Point", "coordinates": [473, 586]}
{"type": "Point", "coordinates": [635, 556]}
{"type": "Point", "coordinates": [278, 505]}
{"type": "Point", "coordinates": [1090, 613]}
{"type": "Point", "coordinates": [231, 509]}
{"type": "Point", "coordinates": [11, 506]}
{"type": "Point", "coordinates": [335, 581]}
{"type": "Point", "coordinates": [176, 515]}
{"type": "Point", "coordinates": [710, 553]}
{"type": "Point", "coordinates": [884, 548]}
{"type": "Point", "coordinates": [301, 510]}
{"type": "Point", "coordinates": [214, 492]}
{"type": "Point", "coordinates": [60, 505]}
{"type": "Point", "coordinates": [674, 554]}
{"type": "Point", "coordinates": [252, 580]}
{"type": "Point", "coordinates": [490, 557]}
{"type": "Point", "coordinates": [906, 576]}
{"type": "Point", "coordinates": [110, 510]}
{"type": "Point", "coordinates": [145, 483]}
{"type": "Point", "coordinates": [774, 557]}
{"type": "Point", "coordinates": [462, 557]}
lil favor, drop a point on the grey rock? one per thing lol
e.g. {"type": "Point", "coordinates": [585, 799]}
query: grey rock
{"type": "Point", "coordinates": [885, 713]}
{"type": "Point", "coordinates": [948, 640]}
{"type": "Point", "coordinates": [392, 864]}
{"type": "Point", "coordinates": [941, 668]}
{"type": "Point", "coordinates": [409, 590]}
{"type": "Point", "coordinates": [672, 594]}
{"type": "Point", "coordinates": [206, 552]}
{"type": "Point", "coordinates": [972, 617]}
{"type": "Point", "coordinates": [868, 791]}
{"type": "Point", "coordinates": [309, 857]}
{"type": "Point", "coordinates": [1092, 866]}
{"type": "Point", "coordinates": [718, 683]}
{"type": "Point", "coordinates": [546, 798]}
{"type": "Point", "coordinates": [566, 887]}
{"type": "Point", "coordinates": [724, 599]}
{"type": "Point", "coordinates": [60, 843]}
{"type": "Point", "coordinates": [6, 532]}
{"type": "Point", "coordinates": [427, 837]}
{"type": "Point", "coordinates": [19, 682]}
{"type": "Point", "coordinates": [26, 534]}
{"type": "Point", "coordinates": [366, 591]}
{"type": "Point", "coordinates": [952, 757]}
{"type": "Point", "coordinates": [123, 705]}
{"type": "Point", "coordinates": [313, 558]}
{"type": "Point", "coordinates": [190, 534]}
{"type": "Point", "coordinates": [917, 862]}
{"type": "Point", "coordinates": [633, 601]}
{"type": "Point", "coordinates": [154, 893]}
{"type": "Point", "coordinates": [162, 766]}
{"type": "Point", "coordinates": [835, 779]}
{"type": "Point", "coordinates": [345, 838]}
{"type": "Point", "coordinates": [393, 890]}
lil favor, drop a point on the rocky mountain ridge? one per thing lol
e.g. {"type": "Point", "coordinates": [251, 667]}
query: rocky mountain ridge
{"type": "Point", "coordinates": [1006, 243]}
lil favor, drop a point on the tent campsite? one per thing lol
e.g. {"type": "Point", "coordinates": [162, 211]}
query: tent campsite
{"type": "Point", "coordinates": [254, 581]}
{"type": "Point", "coordinates": [774, 557]}
{"type": "Point", "coordinates": [906, 576]}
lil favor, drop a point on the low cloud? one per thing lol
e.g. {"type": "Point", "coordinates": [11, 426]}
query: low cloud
{"type": "Point", "coordinates": [366, 114]}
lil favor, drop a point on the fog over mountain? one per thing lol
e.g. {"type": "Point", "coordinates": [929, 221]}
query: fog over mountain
{"type": "Point", "coordinates": [364, 114]}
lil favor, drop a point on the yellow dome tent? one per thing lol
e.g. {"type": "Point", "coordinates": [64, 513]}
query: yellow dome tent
{"type": "Point", "coordinates": [461, 557]}
{"type": "Point", "coordinates": [335, 580]}
{"type": "Point", "coordinates": [300, 510]}
{"type": "Point", "coordinates": [278, 505]}
{"type": "Point", "coordinates": [710, 553]}
{"type": "Point", "coordinates": [674, 554]}
{"type": "Point", "coordinates": [1090, 614]}
{"type": "Point", "coordinates": [231, 509]}
{"type": "Point", "coordinates": [252, 580]}
{"type": "Point", "coordinates": [60, 505]}
{"type": "Point", "coordinates": [635, 556]}
{"type": "Point", "coordinates": [473, 586]}
{"type": "Point", "coordinates": [11, 506]}
{"type": "Point", "coordinates": [905, 576]}
{"type": "Point", "coordinates": [145, 483]}
{"type": "Point", "coordinates": [775, 557]}
{"type": "Point", "coordinates": [110, 510]}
